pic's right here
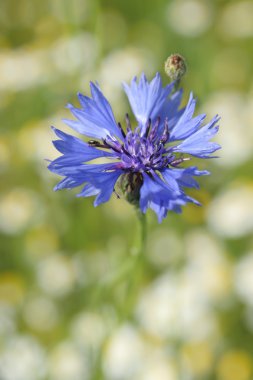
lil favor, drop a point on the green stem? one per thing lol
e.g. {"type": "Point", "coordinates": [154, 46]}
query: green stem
{"type": "Point", "coordinates": [137, 268]}
{"type": "Point", "coordinates": [143, 232]}
{"type": "Point", "coordinates": [129, 273]}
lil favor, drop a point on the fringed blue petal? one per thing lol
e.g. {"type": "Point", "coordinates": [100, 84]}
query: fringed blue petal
{"type": "Point", "coordinates": [159, 196]}
{"type": "Point", "coordinates": [146, 99]}
{"type": "Point", "coordinates": [155, 195]}
{"type": "Point", "coordinates": [187, 125]}
{"type": "Point", "coordinates": [80, 170]}
{"type": "Point", "coordinates": [75, 151]}
{"type": "Point", "coordinates": [198, 144]}
{"type": "Point", "coordinates": [170, 110]}
{"type": "Point", "coordinates": [101, 184]}
{"type": "Point", "coordinates": [184, 177]}
{"type": "Point", "coordinates": [98, 179]}
{"type": "Point", "coordinates": [95, 118]}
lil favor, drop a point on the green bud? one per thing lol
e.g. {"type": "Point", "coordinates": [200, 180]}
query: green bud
{"type": "Point", "coordinates": [175, 66]}
{"type": "Point", "coordinates": [129, 185]}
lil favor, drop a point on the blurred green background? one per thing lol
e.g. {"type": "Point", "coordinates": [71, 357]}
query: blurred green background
{"type": "Point", "coordinates": [191, 316]}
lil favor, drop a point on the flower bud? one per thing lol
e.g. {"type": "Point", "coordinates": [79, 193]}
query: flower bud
{"type": "Point", "coordinates": [175, 67]}
{"type": "Point", "coordinates": [129, 185]}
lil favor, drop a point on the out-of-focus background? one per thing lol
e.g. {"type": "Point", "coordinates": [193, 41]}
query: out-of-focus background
{"type": "Point", "coordinates": [192, 315]}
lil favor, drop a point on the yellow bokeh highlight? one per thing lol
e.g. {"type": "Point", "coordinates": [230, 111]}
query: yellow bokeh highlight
{"type": "Point", "coordinates": [12, 288]}
{"type": "Point", "coordinates": [235, 365]}
{"type": "Point", "coordinates": [192, 213]}
{"type": "Point", "coordinates": [198, 357]}
{"type": "Point", "coordinates": [41, 241]}
{"type": "Point", "coordinates": [4, 153]}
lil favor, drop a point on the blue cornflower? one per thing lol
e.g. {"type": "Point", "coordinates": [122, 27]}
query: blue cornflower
{"type": "Point", "coordinates": [148, 157]}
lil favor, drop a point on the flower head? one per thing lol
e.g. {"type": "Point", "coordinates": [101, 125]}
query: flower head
{"type": "Point", "coordinates": [146, 160]}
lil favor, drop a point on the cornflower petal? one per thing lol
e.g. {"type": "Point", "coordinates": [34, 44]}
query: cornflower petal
{"type": "Point", "coordinates": [171, 109]}
{"type": "Point", "coordinates": [81, 170]}
{"type": "Point", "coordinates": [95, 118]}
{"type": "Point", "coordinates": [100, 184]}
{"type": "Point", "coordinates": [184, 177]}
{"type": "Point", "coordinates": [75, 150]}
{"type": "Point", "coordinates": [198, 143]}
{"type": "Point", "coordinates": [156, 195]}
{"type": "Point", "coordinates": [146, 99]}
{"type": "Point", "coordinates": [187, 125]}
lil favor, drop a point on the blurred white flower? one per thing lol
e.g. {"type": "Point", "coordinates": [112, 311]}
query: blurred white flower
{"type": "Point", "coordinates": [122, 65]}
{"type": "Point", "coordinates": [172, 306]}
{"type": "Point", "coordinates": [18, 209]}
{"type": "Point", "coordinates": [189, 17]}
{"type": "Point", "coordinates": [236, 19]}
{"type": "Point", "coordinates": [40, 313]}
{"type": "Point", "coordinates": [67, 362]}
{"type": "Point", "coordinates": [230, 212]}
{"type": "Point", "coordinates": [244, 278]}
{"type": "Point", "coordinates": [208, 268]}
{"type": "Point", "coordinates": [7, 321]}
{"type": "Point", "coordinates": [161, 319]}
{"type": "Point", "coordinates": [164, 248]}
{"type": "Point", "coordinates": [76, 53]}
{"type": "Point", "coordinates": [124, 354]}
{"type": "Point", "coordinates": [35, 140]}
{"type": "Point", "coordinates": [235, 135]}
{"type": "Point", "coordinates": [88, 330]}
{"type": "Point", "coordinates": [157, 366]}
{"type": "Point", "coordinates": [21, 69]}
{"type": "Point", "coordinates": [56, 275]}
{"type": "Point", "coordinates": [22, 359]}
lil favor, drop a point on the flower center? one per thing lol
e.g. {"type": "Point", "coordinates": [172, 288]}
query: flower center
{"type": "Point", "coordinates": [143, 153]}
